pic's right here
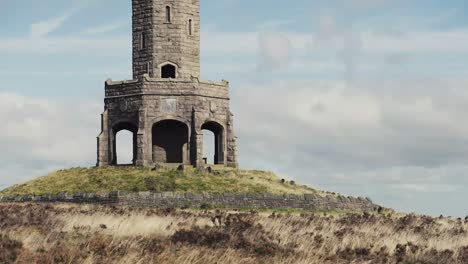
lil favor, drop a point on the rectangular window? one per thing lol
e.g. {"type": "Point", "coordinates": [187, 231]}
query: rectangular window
{"type": "Point", "coordinates": [190, 27]}
{"type": "Point", "coordinates": [148, 68]}
{"type": "Point", "coordinates": [168, 14]}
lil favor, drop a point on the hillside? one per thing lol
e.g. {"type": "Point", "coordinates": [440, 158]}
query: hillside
{"type": "Point", "coordinates": [131, 179]}
{"type": "Point", "coordinates": [45, 233]}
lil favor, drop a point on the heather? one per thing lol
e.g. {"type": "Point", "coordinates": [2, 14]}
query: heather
{"type": "Point", "coordinates": [64, 233]}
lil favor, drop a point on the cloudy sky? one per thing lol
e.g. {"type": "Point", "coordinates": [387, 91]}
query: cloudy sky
{"type": "Point", "coordinates": [362, 97]}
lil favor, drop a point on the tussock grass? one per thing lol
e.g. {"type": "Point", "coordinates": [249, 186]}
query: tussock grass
{"type": "Point", "coordinates": [43, 233]}
{"type": "Point", "coordinates": [131, 179]}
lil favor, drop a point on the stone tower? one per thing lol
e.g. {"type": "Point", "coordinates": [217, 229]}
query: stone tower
{"type": "Point", "coordinates": [166, 106]}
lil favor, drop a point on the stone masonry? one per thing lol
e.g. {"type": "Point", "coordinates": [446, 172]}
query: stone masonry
{"type": "Point", "coordinates": [166, 106]}
{"type": "Point", "coordinates": [223, 200]}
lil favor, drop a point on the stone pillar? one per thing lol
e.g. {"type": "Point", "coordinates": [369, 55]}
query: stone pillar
{"type": "Point", "coordinates": [196, 140]}
{"type": "Point", "coordinates": [231, 143]}
{"type": "Point", "coordinates": [103, 154]}
{"type": "Point", "coordinates": [142, 144]}
{"type": "Point", "coordinates": [232, 153]}
{"type": "Point", "coordinates": [199, 144]}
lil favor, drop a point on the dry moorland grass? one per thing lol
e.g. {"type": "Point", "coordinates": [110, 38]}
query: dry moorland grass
{"type": "Point", "coordinates": [134, 179]}
{"type": "Point", "coordinates": [45, 233]}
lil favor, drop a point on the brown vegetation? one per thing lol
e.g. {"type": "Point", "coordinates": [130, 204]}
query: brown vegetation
{"type": "Point", "coordinates": [43, 233]}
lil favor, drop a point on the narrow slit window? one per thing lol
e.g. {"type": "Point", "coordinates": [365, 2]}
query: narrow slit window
{"type": "Point", "coordinates": [148, 67]}
{"type": "Point", "coordinates": [143, 40]}
{"type": "Point", "coordinates": [190, 26]}
{"type": "Point", "coordinates": [168, 14]}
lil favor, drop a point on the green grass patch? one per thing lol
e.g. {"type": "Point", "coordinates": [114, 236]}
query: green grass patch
{"type": "Point", "coordinates": [131, 179]}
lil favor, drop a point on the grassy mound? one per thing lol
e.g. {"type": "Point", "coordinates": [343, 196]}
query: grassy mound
{"type": "Point", "coordinates": [130, 179]}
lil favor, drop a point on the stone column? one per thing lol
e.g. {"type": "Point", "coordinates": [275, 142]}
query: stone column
{"type": "Point", "coordinates": [196, 140]}
{"type": "Point", "coordinates": [220, 147]}
{"type": "Point", "coordinates": [142, 144]}
{"type": "Point", "coordinates": [231, 143]}
{"type": "Point", "coordinates": [103, 154]}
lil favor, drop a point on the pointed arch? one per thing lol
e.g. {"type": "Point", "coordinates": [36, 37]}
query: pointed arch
{"type": "Point", "coordinates": [168, 70]}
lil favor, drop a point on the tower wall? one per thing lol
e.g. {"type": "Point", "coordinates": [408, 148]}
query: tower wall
{"type": "Point", "coordinates": [157, 40]}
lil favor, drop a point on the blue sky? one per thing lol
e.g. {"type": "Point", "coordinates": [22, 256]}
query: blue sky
{"type": "Point", "coordinates": [363, 97]}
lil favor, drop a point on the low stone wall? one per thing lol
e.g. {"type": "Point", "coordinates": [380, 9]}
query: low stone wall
{"type": "Point", "coordinates": [222, 200]}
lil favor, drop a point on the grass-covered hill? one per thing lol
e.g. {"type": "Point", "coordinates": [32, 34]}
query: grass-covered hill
{"type": "Point", "coordinates": [131, 179]}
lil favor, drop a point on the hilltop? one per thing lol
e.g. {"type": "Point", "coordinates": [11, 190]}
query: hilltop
{"type": "Point", "coordinates": [90, 233]}
{"type": "Point", "coordinates": [134, 179]}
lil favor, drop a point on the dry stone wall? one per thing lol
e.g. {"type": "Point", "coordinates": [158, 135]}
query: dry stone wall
{"type": "Point", "coordinates": [215, 200]}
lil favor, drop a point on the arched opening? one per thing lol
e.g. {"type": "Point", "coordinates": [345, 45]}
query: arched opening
{"type": "Point", "coordinates": [170, 142]}
{"type": "Point", "coordinates": [168, 71]}
{"type": "Point", "coordinates": [124, 144]}
{"type": "Point", "coordinates": [124, 148]}
{"type": "Point", "coordinates": [215, 148]}
{"type": "Point", "coordinates": [209, 147]}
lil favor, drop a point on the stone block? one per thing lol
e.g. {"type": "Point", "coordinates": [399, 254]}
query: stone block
{"type": "Point", "coordinates": [145, 195]}
{"type": "Point", "coordinates": [167, 195]}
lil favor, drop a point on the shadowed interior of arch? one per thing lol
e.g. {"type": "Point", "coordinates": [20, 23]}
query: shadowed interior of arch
{"type": "Point", "coordinates": [217, 147]}
{"type": "Point", "coordinates": [170, 140]}
{"type": "Point", "coordinates": [168, 71]}
{"type": "Point", "coordinates": [123, 131]}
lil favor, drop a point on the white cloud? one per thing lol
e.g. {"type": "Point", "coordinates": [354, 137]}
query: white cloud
{"type": "Point", "coordinates": [274, 24]}
{"type": "Point", "coordinates": [455, 41]}
{"type": "Point", "coordinates": [38, 134]}
{"type": "Point", "coordinates": [66, 45]}
{"type": "Point", "coordinates": [214, 43]}
{"type": "Point", "coordinates": [106, 28]}
{"type": "Point", "coordinates": [374, 139]}
{"type": "Point", "coordinates": [43, 28]}
{"type": "Point", "coordinates": [241, 43]}
{"type": "Point", "coordinates": [275, 50]}
{"type": "Point", "coordinates": [335, 126]}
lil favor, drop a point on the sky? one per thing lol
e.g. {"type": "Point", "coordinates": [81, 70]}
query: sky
{"type": "Point", "coordinates": [363, 97]}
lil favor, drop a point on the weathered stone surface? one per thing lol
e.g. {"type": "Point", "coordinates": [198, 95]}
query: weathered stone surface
{"type": "Point", "coordinates": [226, 200]}
{"type": "Point", "coordinates": [167, 115]}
